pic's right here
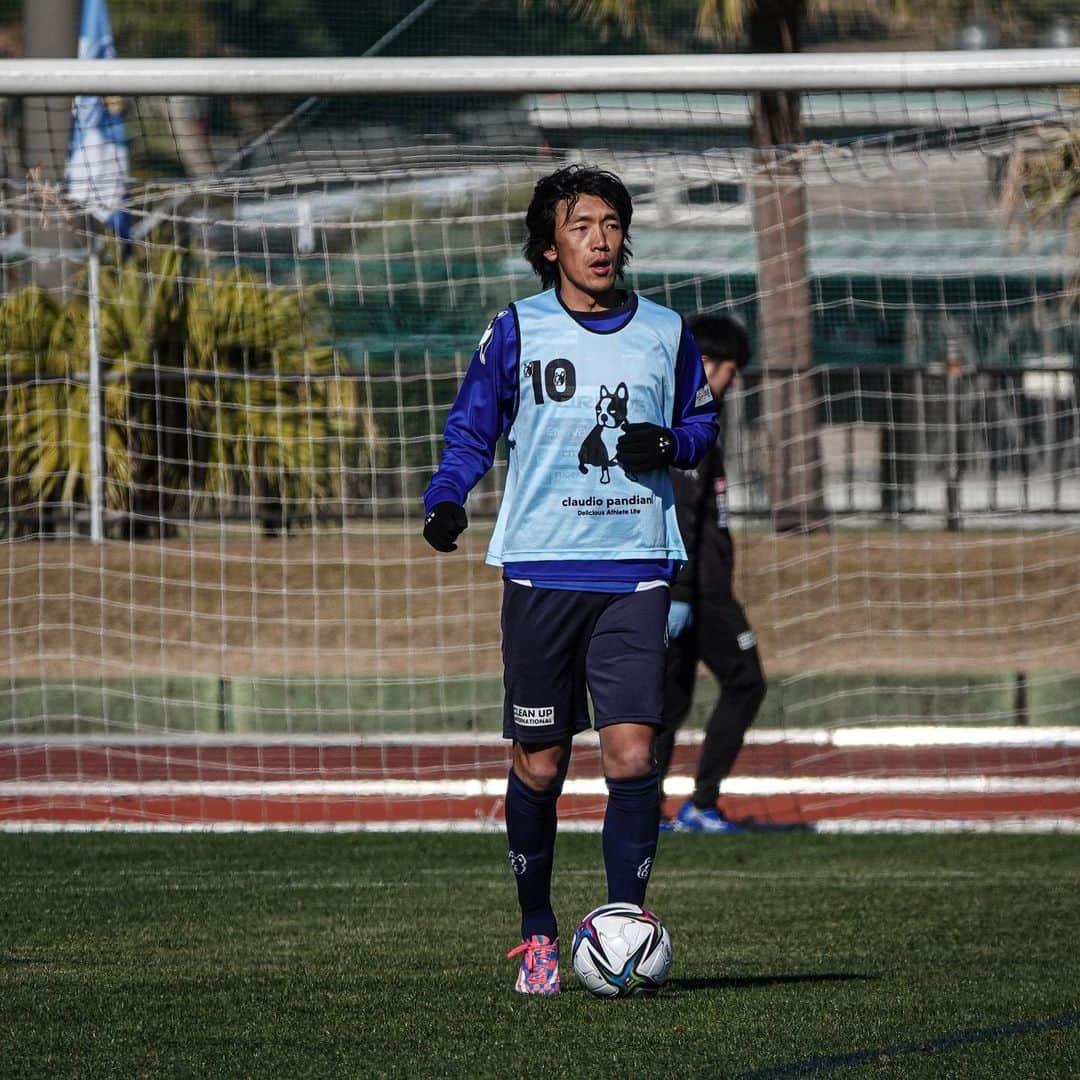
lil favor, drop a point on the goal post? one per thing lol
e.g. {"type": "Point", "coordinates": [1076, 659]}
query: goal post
{"type": "Point", "coordinates": [216, 607]}
{"type": "Point", "coordinates": [708, 73]}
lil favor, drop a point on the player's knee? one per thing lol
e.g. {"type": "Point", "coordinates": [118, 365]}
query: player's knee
{"type": "Point", "coordinates": [629, 762]}
{"type": "Point", "coordinates": [542, 780]}
{"type": "Point", "coordinates": [542, 773]}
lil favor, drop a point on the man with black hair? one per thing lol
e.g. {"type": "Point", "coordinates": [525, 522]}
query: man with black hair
{"type": "Point", "coordinates": [597, 391]}
{"type": "Point", "coordinates": [706, 622]}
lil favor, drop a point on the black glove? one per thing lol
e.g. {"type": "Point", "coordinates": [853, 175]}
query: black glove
{"type": "Point", "coordinates": [645, 447]}
{"type": "Point", "coordinates": [445, 523]}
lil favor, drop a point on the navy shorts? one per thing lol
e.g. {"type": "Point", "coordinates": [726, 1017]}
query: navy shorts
{"type": "Point", "coordinates": [558, 643]}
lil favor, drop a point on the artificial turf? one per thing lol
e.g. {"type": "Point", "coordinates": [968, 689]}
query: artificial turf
{"type": "Point", "coordinates": [382, 955]}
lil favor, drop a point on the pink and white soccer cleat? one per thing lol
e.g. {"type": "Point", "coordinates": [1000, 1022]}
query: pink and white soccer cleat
{"type": "Point", "coordinates": [539, 971]}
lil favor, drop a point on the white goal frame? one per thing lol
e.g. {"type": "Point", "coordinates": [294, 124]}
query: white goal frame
{"type": "Point", "coordinates": [1036, 70]}
{"type": "Point", "coordinates": [548, 74]}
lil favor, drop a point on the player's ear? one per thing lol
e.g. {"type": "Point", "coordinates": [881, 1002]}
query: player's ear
{"type": "Point", "coordinates": [551, 254]}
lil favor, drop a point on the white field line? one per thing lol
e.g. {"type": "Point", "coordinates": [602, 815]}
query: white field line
{"type": "Point", "coordinates": [916, 735]}
{"type": "Point", "coordinates": [496, 787]}
{"type": "Point", "coordinates": [1035, 825]}
{"type": "Point", "coordinates": [931, 735]}
{"type": "Point", "coordinates": [950, 825]}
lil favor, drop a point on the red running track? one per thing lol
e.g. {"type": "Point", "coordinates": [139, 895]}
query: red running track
{"type": "Point", "coordinates": [132, 764]}
{"type": "Point", "coordinates": [208, 762]}
{"type": "Point", "coordinates": [342, 810]}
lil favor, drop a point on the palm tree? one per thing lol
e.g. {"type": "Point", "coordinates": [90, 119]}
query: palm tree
{"type": "Point", "coordinates": [49, 442]}
{"type": "Point", "coordinates": [270, 407]}
{"type": "Point", "coordinates": [215, 384]}
{"type": "Point", "coordinates": [1041, 184]}
{"type": "Point", "coordinates": [779, 210]}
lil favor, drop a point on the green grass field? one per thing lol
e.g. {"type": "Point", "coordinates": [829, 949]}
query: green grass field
{"type": "Point", "coordinates": [380, 955]}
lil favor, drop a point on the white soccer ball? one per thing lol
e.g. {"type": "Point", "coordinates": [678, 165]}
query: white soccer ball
{"type": "Point", "coordinates": [622, 950]}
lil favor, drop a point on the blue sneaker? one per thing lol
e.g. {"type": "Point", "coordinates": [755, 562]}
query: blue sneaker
{"type": "Point", "coordinates": [666, 824]}
{"type": "Point", "coordinates": [691, 819]}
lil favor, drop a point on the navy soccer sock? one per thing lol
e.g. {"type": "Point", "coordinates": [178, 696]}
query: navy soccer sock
{"type": "Point", "coordinates": [531, 823]}
{"type": "Point", "coordinates": [631, 826]}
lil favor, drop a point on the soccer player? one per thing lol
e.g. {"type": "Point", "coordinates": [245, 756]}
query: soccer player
{"type": "Point", "coordinates": [598, 391]}
{"type": "Point", "coordinates": [706, 622]}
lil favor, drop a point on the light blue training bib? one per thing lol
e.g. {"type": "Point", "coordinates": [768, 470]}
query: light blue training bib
{"type": "Point", "coordinates": [567, 496]}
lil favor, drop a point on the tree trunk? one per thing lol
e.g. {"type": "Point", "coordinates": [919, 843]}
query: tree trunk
{"type": "Point", "coordinates": [785, 329]}
{"type": "Point", "coordinates": [50, 31]}
{"type": "Point", "coordinates": [185, 114]}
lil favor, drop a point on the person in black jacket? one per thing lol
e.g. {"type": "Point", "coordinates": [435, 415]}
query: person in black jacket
{"type": "Point", "coordinates": [706, 621]}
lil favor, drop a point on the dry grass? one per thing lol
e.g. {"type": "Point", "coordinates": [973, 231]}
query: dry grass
{"type": "Point", "coordinates": [383, 604]}
{"type": "Point", "coordinates": [915, 600]}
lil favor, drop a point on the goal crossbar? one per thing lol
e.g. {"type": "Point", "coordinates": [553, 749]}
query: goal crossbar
{"type": "Point", "coordinates": [547, 74]}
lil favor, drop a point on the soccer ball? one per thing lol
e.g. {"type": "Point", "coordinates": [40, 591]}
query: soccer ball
{"type": "Point", "coordinates": [621, 950]}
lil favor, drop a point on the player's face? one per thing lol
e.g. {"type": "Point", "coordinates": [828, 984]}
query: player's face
{"type": "Point", "coordinates": [586, 249]}
{"type": "Point", "coordinates": [720, 374]}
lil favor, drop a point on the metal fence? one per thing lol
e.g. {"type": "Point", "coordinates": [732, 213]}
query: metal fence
{"type": "Point", "coordinates": [950, 442]}
{"type": "Point", "coordinates": [946, 445]}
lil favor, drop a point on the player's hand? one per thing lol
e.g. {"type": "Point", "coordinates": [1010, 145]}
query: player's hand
{"type": "Point", "coordinates": [645, 447]}
{"type": "Point", "coordinates": [680, 616]}
{"type": "Point", "coordinates": [446, 522]}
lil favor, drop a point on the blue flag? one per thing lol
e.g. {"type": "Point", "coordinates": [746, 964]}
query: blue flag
{"type": "Point", "coordinates": [97, 164]}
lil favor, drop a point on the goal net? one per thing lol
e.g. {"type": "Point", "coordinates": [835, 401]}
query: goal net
{"type": "Point", "coordinates": [218, 415]}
